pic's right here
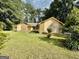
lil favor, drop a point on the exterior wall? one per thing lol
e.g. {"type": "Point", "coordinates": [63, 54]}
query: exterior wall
{"type": "Point", "coordinates": [18, 27]}
{"type": "Point", "coordinates": [30, 28]}
{"type": "Point", "coordinates": [56, 26]}
{"type": "Point", "coordinates": [23, 27]}
{"type": "Point", "coordinates": [41, 28]}
{"type": "Point", "coordinates": [47, 24]}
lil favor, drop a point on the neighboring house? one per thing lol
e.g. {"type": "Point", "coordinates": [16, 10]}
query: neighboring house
{"type": "Point", "coordinates": [23, 27]}
{"type": "Point", "coordinates": [42, 27]}
{"type": "Point", "coordinates": [52, 23]}
{"type": "Point", "coordinates": [34, 26]}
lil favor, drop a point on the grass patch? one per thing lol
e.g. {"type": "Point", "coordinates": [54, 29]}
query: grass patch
{"type": "Point", "coordinates": [24, 45]}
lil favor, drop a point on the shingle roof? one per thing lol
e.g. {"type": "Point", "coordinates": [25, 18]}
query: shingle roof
{"type": "Point", "coordinates": [53, 19]}
{"type": "Point", "coordinates": [32, 24]}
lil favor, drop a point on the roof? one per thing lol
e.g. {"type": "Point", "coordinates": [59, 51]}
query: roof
{"type": "Point", "coordinates": [23, 24]}
{"type": "Point", "coordinates": [32, 24]}
{"type": "Point", "coordinates": [53, 19]}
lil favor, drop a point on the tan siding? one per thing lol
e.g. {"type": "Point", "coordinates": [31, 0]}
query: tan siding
{"type": "Point", "coordinates": [23, 27]}
{"type": "Point", "coordinates": [41, 28]}
{"type": "Point", "coordinates": [46, 24]}
{"type": "Point", "coordinates": [18, 27]}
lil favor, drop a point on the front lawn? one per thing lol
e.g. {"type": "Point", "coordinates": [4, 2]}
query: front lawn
{"type": "Point", "coordinates": [35, 46]}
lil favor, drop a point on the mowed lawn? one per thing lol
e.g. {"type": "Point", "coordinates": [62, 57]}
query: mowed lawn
{"type": "Point", "coordinates": [24, 45]}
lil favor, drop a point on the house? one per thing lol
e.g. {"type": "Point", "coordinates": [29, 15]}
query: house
{"type": "Point", "coordinates": [23, 27]}
{"type": "Point", "coordinates": [52, 23]}
{"type": "Point", "coordinates": [34, 26]}
{"type": "Point", "coordinates": [42, 27]}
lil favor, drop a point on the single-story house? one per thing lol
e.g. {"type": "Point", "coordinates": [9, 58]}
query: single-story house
{"type": "Point", "coordinates": [52, 23]}
{"type": "Point", "coordinates": [23, 27]}
{"type": "Point", "coordinates": [34, 26]}
{"type": "Point", "coordinates": [42, 27]}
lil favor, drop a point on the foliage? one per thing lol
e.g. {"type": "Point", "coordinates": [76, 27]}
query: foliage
{"type": "Point", "coordinates": [13, 12]}
{"type": "Point", "coordinates": [72, 26]}
{"type": "Point", "coordinates": [30, 13]}
{"type": "Point", "coordinates": [3, 37]}
{"type": "Point", "coordinates": [10, 12]}
{"type": "Point", "coordinates": [77, 4]}
{"type": "Point", "coordinates": [49, 32]}
{"type": "Point", "coordinates": [72, 21]}
{"type": "Point", "coordinates": [73, 41]}
{"type": "Point", "coordinates": [1, 27]}
{"type": "Point", "coordinates": [59, 9]}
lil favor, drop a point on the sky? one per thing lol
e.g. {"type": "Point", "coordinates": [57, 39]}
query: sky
{"type": "Point", "coordinates": [40, 3]}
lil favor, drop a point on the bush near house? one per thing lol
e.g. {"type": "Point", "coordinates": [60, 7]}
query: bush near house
{"type": "Point", "coordinates": [72, 26]}
{"type": "Point", "coordinates": [3, 37]}
{"type": "Point", "coordinates": [49, 32]}
{"type": "Point", "coordinates": [73, 41]}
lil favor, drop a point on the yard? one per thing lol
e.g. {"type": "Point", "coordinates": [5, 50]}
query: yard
{"type": "Point", "coordinates": [35, 46]}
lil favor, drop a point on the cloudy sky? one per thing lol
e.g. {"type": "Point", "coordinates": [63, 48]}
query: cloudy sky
{"type": "Point", "coordinates": [39, 3]}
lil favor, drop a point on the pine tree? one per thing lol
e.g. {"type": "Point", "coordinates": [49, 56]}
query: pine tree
{"type": "Point", "coordinates": [59, 9]}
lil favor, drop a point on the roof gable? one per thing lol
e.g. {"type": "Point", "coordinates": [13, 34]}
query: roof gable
{"type": "Point", "coordinates": [52, 18]}
{"type": "Point", "coordinates": [32, 24]}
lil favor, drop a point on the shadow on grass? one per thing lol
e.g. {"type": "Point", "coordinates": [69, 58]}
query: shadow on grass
{"type": "Point", "coordinates": [57, 42]}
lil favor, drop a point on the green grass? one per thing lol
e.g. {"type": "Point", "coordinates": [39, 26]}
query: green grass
{"type": "Point", "coordinates": [36, 46]}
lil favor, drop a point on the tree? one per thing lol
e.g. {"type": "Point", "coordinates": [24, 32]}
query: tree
{"type": "Point", "coordinates": [77, 4]}
{"type": "Point", "coordinates": [30, 13]}
{"type": "Point", "coordinates": [6, 14]}
{"type": "Point", "coordinates": [73, 20]}
{"type": "Point", "coordinates": [59, 9]}
{"type": "Point", "coordinates": [72, 26]}
{"type": "Point", "coordinates": [49, 32]}
{"type": "Point", "coordinates": [11, 12]}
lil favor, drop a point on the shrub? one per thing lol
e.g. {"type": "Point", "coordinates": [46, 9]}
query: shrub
{"type": "Point", "coordinates": [72, 44]}
{"type": "Point", "coordinates": [73, 41]}
{"type": "Point", "coordinates": [49, 32]}
{"type": "Point", "coordinates": [3, 37]}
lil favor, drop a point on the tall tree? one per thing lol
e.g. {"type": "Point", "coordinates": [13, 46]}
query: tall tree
{"type": "Point", "coordinates": [77, 4]}
{"type": "Point", "coordinates": [11, 12]}
{"type": "Point", "coordinates": [59, 9]}
{"type": "Point", "coordinates": [30, 12]}
{"type": "Point", "coordinates": [73, 20]}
